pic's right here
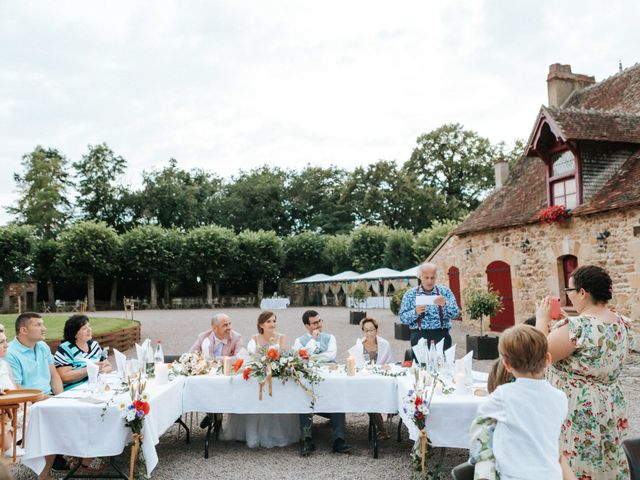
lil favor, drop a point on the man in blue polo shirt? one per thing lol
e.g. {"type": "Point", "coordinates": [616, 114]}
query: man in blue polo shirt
{"type": "Point", "coordinates": [432, 321]}
{"type": "Point", "coordinates": [30, 357]}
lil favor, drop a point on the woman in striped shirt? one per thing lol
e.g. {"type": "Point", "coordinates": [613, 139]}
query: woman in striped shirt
{"type": "Point", "coordinates": [72, 354]}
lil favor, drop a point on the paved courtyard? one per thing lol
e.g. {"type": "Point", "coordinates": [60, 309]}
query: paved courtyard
{"type": "Point", "coordinates": [177, 329]}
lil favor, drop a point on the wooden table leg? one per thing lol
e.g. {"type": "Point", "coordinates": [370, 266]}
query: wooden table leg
{"type": "Point", "coordinates": [24, 424]}
{"type": "Point", "coordinates": [2, 432]}
{"type": "Point", "coordinates": [14, 412]}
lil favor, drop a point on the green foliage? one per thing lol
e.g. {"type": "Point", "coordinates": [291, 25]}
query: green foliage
{"type": "Point", "coordinates": [173, 197]}
{"type": "Point", "coordinates": [257, 200]}
{"type": "Point", "coordinates": [43, 200]}
{"type": "Point", "coordinates": [428, 239]}
{"type": "Point", "coordinates": [261, 254]}
{"type": "Point", "coordinates": [149, 251]}
{"type": "Point", "coordinates": [210, 252]}
{"type": "Point", "coordinates": [99, 197]}
{"type": "Point", "coordinates": [337, 254]}
{"type": "Point", "coordinates": [398, 252]}
{"type": "Point", "coordinates": [456, 162]}
{"type": "Point", "coordinates": [479, 303]}
{"type": "Point", "coordinates": [367, 247]}
{"type": "Point", "coordinates": [360, 293]}
{"type": "Point", "coordinates": [16, 249]}
{"type": "Point", "coordinates": [304, 254]}
{"type": "Point", "coordinates": [89, 248]}
{"type": "Point", "coordinates": [396, 300]}
{"type": "Point", "coordinates": [45, 259]}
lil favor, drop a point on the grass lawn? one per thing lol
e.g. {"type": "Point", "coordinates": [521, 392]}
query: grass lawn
{"type": "Point", "coordinates": [55, 325]}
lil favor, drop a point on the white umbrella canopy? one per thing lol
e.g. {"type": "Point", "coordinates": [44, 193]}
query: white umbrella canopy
{"type": "Point", "coordinates": [378, 274]}
{"type": "Point", "coordinates": [344, 276]}
{"type": "Point", "coordinates": [409, 272]}
{"type": "Point", "coordinates": [317, 278]}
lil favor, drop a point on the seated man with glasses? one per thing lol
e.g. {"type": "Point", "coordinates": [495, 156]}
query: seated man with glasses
{"type": "Point", "coordinates": [322, 347]}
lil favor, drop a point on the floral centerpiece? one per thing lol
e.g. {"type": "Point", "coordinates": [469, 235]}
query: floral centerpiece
{"type": "Point", "coordinates": [134, 413]}
{"type": "Point", "coordinates": [270, 362]}
{"type": "Point", "coordinates": [554, 214]}
{"type": "Point", "coordinates": [190, 364]}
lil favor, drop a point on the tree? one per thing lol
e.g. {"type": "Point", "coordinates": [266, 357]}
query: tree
{"type": "Point", "coordinates": [173, 197]}
{"type": "Point", "coordinates": [210, 252]}
{"type": "Point", "coordinates": [43, 192]}
{"type": "Point", "coordinates": [315, 201]}
{"type": "Point", "coordinates": [456, 162]}
{"type": "Point", "coordinates": [257, 200]}
{"type": "Point", "coordinates": [367, 247]}
{"type": "Point", "coordinates": [398, 253]}
{"type": "Point", "coordinates": [337, 254]}
{"type": "Point", "coordinates": [261, 256]}
{"type": "Point", "coordinates": [46, 264]}
{"type": "Point", "coordinates": [16, 248]}
{"type": "Point", "coordinates": [510, 154]}
{"type": "Point", "coordinates": [148, 252]}
{"type": "Point", "coordinates": [99, 197]}
{"type": "Point", "coordinates": [89, 249]}
{"type": "Point", "coordinates": [428, 239]}
{"type": "Point", "coordinates": [303, 254]}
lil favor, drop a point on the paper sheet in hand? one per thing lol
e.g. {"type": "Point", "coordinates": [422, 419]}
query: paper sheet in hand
{"type": "Point", "coordinates": [426, 299]}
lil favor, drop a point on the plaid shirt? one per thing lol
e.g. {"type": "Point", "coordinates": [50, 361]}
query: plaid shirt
{"type": "Point", "coordinates": [431, 319]}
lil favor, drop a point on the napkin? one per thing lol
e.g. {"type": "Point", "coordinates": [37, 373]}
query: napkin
{"type": "Point", "coordinates": [421, 350]}
{"type": "Point", "coordinates": [450, 354]}
{"type": "Point", "coordinates": [121, 361]}
{"type": "Point", "coordinates": [206, 344]}
{"type": "Point", "coordinates": [356, 353]}
{"type": "Point", "coordinates": [141, 351]}
{"type": "Point", "coordinates": [464, 364]}
{"type": "Point", "coordinates": [92, 372]}
{"type": "Point", "coordinates": [440, 348]}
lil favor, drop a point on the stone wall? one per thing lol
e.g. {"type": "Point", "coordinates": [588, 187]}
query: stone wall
{"type": "Point", "coordinates": [538, 271]}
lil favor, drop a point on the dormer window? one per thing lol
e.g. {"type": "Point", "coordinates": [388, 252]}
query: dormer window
{"type": "Point", "coordinates": [563, 187]}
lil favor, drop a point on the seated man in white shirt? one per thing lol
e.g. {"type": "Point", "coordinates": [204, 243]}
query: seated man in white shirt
{"type": "Point", "coordinates": [322, 347]}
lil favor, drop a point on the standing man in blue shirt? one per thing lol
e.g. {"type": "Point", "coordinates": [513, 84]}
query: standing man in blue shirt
{"type": "Point", "coordinates": [431, 322]}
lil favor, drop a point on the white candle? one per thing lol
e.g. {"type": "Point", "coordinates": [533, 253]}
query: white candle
{"type": "Point", "coordinates": [162, 373]}
{"type": "Point", "coordinates": [351, 366]}
{"type": "Point", "coordinates": [226, 366]}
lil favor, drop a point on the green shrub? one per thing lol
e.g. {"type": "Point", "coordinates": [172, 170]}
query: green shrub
{"type": "Point", "coordinates": [396, 300]}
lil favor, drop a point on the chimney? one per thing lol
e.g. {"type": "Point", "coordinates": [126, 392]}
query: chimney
{"type": "Point", "coordinates": [561, 83]}
{"type": "Point", "coordinates": [501, 168]}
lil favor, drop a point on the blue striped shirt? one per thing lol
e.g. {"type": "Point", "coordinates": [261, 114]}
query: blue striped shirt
{"type": "Point", "coordinates": [431, 319]}
{"type": "Point", "coordinates": [69, 355]}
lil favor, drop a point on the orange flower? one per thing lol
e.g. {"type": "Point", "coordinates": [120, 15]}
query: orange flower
{"type": "Point", "coordinates": [141, 406]}
{"type": "Point", "coordinates": [273, 354]}
{"type": "Point", "coordinates": [303, 353]}
{"type": "Point", "coordinates": [246, 373]}
{"type": "Point", "coordinates": [237, 365]}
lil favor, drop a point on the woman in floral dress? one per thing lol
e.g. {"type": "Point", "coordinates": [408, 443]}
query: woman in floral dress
{"type": "Point", "coordinates": [588, 353]}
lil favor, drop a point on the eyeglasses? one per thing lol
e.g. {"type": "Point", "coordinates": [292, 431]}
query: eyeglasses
{"type": "Point", "coordinates": [571, 290]}
{"type": "Point", "coordinates": [317, 322]}
{"type": "Point", "coordinates": [369, 330]}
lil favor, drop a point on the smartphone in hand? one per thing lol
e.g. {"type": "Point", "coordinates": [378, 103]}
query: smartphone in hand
{"type": "Point", "coordinates": [556, 313]}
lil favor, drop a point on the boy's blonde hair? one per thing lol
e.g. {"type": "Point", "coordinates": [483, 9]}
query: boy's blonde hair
{"type": "Point", "coordinates": [498, 375]}
{"type": "Point", "coordinates": [524, 348]}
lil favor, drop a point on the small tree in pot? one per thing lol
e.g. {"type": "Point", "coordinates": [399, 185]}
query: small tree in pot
{"type": "Point", "coordinates": [359, 294]}
{"type": "Point", "coordinates": [400, 330]}
{"type": "Point", "coordinates": [479, 303]}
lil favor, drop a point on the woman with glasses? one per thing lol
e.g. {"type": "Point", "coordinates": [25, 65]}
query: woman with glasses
{"type": "Point", "coordinates": [588, 353]}
{"type": "Point", "coordinates": [376, 350]}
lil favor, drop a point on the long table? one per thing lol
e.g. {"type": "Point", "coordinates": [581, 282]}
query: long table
{"type": "Point", "coordinates": [67, 425]}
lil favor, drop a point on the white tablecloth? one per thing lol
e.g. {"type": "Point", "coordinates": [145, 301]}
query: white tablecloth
{"type": "Point", "coordinates": [337, 393]}
{"type": "Point", "coordinates": [371, 302]}
{"type": "Point", "coordinates": [451, 415]}
{"type": "Point", "coordinates": [69, 426]}
{"type": "Point", "coordinates": [274, 303]}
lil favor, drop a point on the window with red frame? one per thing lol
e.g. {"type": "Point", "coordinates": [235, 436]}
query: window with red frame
{"type": "Point", "coordinates": [562, 180]}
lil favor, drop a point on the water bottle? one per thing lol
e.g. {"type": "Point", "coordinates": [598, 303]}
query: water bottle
{"type": "Point", "coordinates": [149, 366]}
{"type": "Point", "coordinates": [433, 356]}
{"type": "Point", "coordinates": [158, 356]}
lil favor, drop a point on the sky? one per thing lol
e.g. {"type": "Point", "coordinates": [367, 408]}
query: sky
{"type": "Point", "coordinates": [232, 85]}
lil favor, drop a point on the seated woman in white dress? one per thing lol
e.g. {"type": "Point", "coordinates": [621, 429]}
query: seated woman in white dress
{"type": "Point", "coordinates": [263, 430]}
{"type": "Point", "coordinates": [7, 383]}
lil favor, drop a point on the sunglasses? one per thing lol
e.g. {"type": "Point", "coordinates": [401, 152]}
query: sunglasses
{"type": "Point", "coordinates": [571, 289]}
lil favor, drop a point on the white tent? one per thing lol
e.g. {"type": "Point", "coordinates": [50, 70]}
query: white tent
{"type": "Point", "coordinates": [317, 278]}
{"type": "Point", "coordinates": [346, 276]}
{"type": "Point", "coordinates": [378, 274]}
{"type": "Point", "coordinates": [409, 272]}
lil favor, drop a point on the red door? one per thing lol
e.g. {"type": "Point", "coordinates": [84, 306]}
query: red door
{"type": "Point", "coordinates": [454, 285]}
{"type": "Point", "coordinates": [569, 264]}
{"type": "Point", "coordinates": [499, 277]}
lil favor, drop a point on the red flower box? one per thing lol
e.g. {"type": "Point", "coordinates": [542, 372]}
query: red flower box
{"type": "Point", "coordinates": [553, 214]}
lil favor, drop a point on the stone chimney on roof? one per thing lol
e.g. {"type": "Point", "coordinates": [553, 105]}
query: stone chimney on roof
{"type": "Point", "coordinates": [561, 82]}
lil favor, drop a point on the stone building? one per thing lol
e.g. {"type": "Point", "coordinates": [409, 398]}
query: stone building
{"type": "Point", "coordinates": [583, 152]}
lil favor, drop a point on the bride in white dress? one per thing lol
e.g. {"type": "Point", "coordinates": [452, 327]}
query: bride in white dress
{"type": "Point", "coordinates": [263, 430]}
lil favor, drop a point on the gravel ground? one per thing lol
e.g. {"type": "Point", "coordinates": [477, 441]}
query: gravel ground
{"type": "Point", "coordinates": [177, 329]}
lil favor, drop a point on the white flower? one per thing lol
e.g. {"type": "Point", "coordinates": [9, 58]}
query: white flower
{"type": "Point", "coordinates": [131, 415]}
